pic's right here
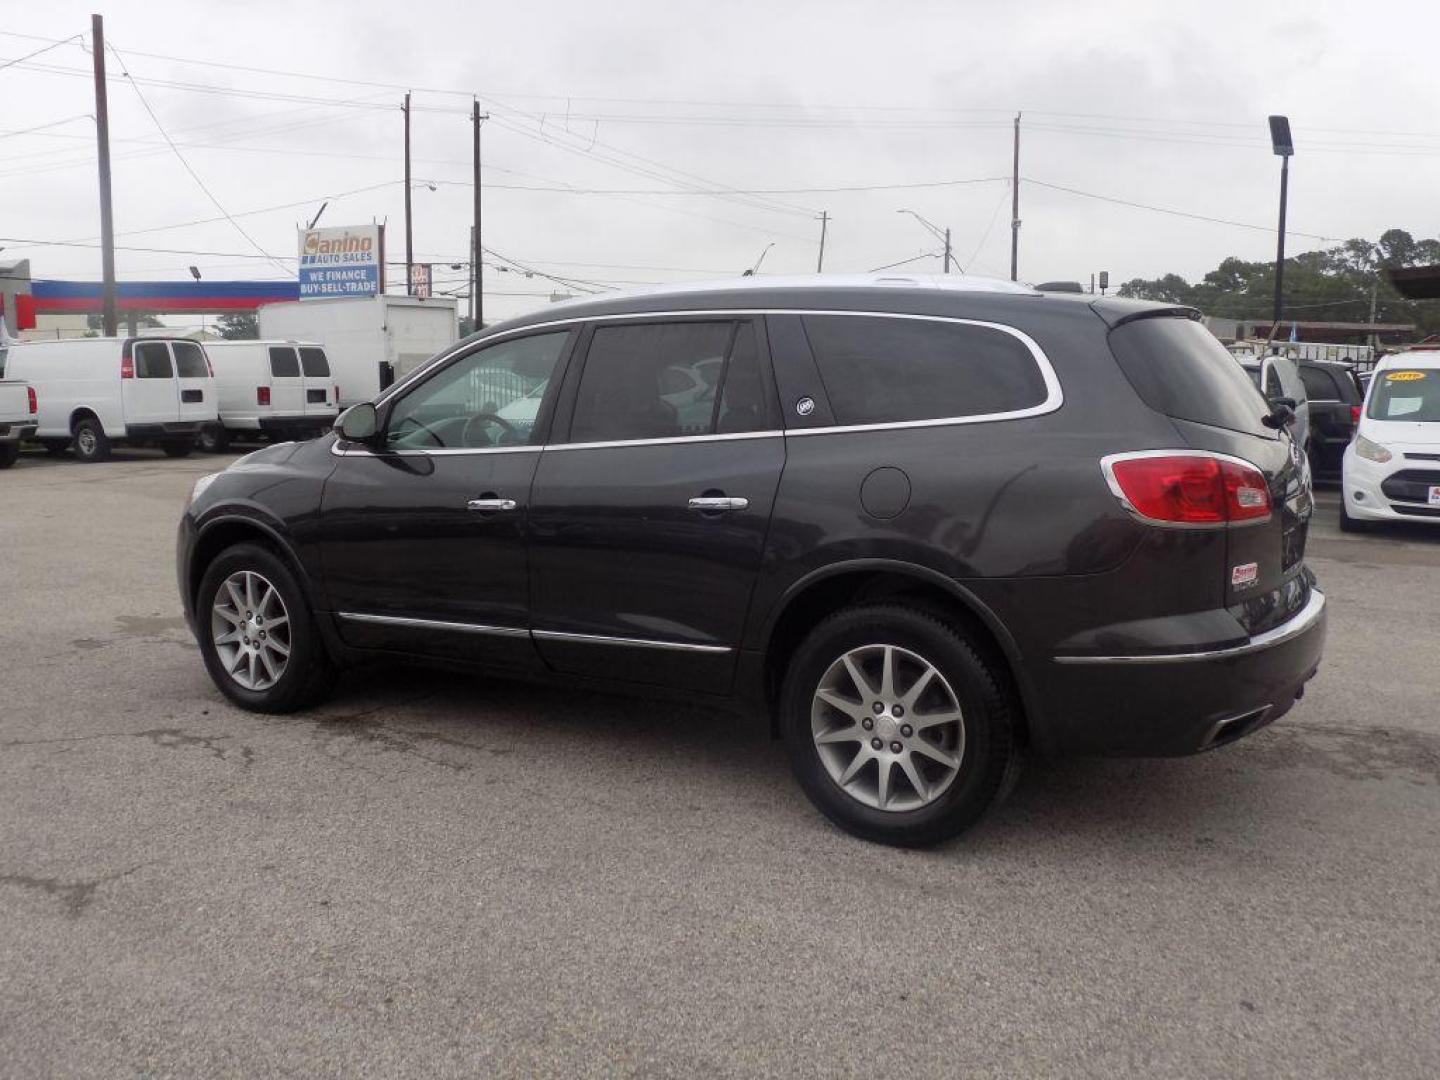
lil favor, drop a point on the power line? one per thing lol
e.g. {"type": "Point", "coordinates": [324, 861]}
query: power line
{"type": "Point", "coordinates": [1173, 212]}
{"type": "Point", "coordinates": [37, 52]}
{"type": "Point", "coordinates": [193, 174]}
{"type": "Point", "coordinates": [51, 124]}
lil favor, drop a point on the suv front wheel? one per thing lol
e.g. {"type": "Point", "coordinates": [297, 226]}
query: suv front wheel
{"type": "Point", "coordinates": [896, 727]}
{"type": "Point", "coordinates": [258, 634]}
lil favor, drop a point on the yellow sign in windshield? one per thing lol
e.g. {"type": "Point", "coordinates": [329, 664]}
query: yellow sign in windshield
{"type": "Point", "coordinates": [1403, 376]}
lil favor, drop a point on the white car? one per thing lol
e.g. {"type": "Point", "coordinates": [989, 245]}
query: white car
{"type": "Point", "coordinates": [17, 415]}
{"type": "Point", "coordinates": [1391, 470]}
{"type": "Point", "coordinates": [281, 389]}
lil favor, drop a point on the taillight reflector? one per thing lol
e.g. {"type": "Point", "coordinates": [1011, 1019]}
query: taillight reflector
{"type": "Point", "coordinates": [262, 395]}
{"type": "Point", "coordinates": [1188, 488]}
{"type": "Point", "coordinates": [34, 402]}
{"type": "Point", "coordinates": [1355, 411]}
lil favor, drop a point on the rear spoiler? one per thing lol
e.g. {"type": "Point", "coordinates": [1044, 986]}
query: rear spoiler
{"type": "Point", "coordinates": [1117, 311]}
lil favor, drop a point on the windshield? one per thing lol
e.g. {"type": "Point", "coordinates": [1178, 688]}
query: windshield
{"type": "Point", "coordinates": [1411, 394]}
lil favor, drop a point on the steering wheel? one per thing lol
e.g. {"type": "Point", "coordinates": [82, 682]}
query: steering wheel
{"type": "Point", "coordinates": [486, 417]}
{"type": "Point", "coordinates": [426, 428]}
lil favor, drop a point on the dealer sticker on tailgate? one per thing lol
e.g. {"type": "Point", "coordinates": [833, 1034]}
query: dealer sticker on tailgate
{"type": "Point", "coordinates": [1244, 574]}
{"type": "Point", "coordinates": [1435, 494]}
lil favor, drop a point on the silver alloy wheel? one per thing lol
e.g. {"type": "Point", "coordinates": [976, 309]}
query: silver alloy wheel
{"type": "Point", "coordinates": [888, 727]}
{"type": "Point", "coordinates": [85, 440]}
{"type": "Point", "coordinates": [251, 630]}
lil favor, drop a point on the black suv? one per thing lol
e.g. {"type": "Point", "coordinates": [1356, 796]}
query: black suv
{"type": "Point", "coordinates": [1335, 403]}
{"type": "Point", "coordinates": [923, 526]}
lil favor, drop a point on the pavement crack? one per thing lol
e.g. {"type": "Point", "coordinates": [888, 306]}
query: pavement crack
{"type": "Point", "coordinates": [74, 896]}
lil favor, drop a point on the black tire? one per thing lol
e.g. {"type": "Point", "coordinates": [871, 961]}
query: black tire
{"type": "Point", "coordinates": [9, 454]}
{"type": "Point", "coordinates": [309, 675]}
{"type": "Point", "coordinates": [214, 439]}
{"type": "Point", "coordinates": [55, 447]}
{"type": "Point", "coordinates": [1349, 524]}
{"type": "Point", "coordinates": [990, 759]}
{"type": "Point", "coordinates": [177, 448]}
{"type": "Point", "coordinates": [91, 442]}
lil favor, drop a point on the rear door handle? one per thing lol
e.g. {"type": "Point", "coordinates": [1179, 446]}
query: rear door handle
{"type": "Point", "coordinates": [720, 503]}
{"type": "Point", "coordinates": [490, 504]}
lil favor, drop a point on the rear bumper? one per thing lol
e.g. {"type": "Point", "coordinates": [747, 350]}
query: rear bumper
{"type": "Point", "coordinates": [1181, 701]}
{"type": "Point", "coordinates": [16, 432]}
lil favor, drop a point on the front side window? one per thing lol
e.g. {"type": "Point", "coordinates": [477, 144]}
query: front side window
{"type": "Point", "coordinates": [283, 364]}
{"type": "Point", "coordinates": [669, 380]}
{"type": "Point", "coordinates": [190, 361]}
{"type": "Point", "coordinates": [1412, 395]}
{"type": "Point", "coordinates": [879, 370]}
{"type": "Point", "coordinates": [152, 361]}
{"type": "Point", "coordinates": [490, 397]}
{"type": "Point", "coordinates": [314, 362]}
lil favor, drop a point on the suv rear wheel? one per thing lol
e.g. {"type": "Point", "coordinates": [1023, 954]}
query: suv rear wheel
{"type": "Point", "coordinates": [258, 634]}
{"type": "Point", "coordinates": [895, 726]}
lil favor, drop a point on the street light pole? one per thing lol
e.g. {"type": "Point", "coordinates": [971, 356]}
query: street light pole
{"type": "Point", "coordinates": [409, 235]}
{"type": "Point", "coordinates": [1284, 147]}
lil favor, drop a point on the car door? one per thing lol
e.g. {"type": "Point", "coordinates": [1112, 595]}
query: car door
{"type": "Point", "coordinates": [648, 518]}
{"type": "Point", "coordinates": [423, 530]}
{"type": "Point", "coordinates": [195, 385]}
{"type": "Point", "coordinates": [151, 396]}
{"type": "Point", "coordinates": [287, 385]}
{"type": "Point", "coordinates": [320, 392]}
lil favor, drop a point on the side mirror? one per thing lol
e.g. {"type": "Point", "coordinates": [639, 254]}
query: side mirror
{"type": "Point", "coordinates": [359, 423]}
{"type": "Point", "coordinates": [1289, 402]}
{"type": "Point", "coordinates": [1280, 414]}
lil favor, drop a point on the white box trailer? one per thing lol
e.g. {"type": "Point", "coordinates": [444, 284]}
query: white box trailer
{"type": "Point", "coordinates": [370, 340]}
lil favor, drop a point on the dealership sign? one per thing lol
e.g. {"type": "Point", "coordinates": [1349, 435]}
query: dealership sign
{"type": "Point", "coordinates": [343, 261]}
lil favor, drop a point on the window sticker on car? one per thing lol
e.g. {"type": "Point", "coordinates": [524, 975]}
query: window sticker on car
{"type": "Point", "coordinates": [1403, 376]}
{"type": "Point", "coordinates": [1244, 574]}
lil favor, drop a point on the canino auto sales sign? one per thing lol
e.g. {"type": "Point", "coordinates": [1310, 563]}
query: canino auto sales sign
{"type": "Point", "coordinates": [343, 261]}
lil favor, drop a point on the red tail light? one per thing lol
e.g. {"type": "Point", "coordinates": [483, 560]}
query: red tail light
{"type": "Point", "coordinates": [127, 367]}
{"type": "Point", "coordinates": [1355, 411]}
{"type": "Point", "coordinates": [34, 403]}
{"type": "Point", "coordinates": [262, 395]}
{"type": "Point", "coordinates": [1188, 487]}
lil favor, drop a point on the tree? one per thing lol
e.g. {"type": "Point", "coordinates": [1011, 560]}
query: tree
{"type": "Point", "coordinates": [238, 326]}
{"type": "Point", "coordinates": [1330, 285]}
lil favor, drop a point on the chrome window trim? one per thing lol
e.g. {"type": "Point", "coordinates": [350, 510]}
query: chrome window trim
{"type": "Point", "coordinates": [1107, 467]}
{"type": "Point", "coordinates": [1054, 394]}
{"type": "Point", "coordinates": [638, 643]}
{"type": "Point", "coordinates": [517, 631]}
{"type": "Point", "coordinates": [1303, 620]}
{"type": "Point", "coordinates": [434, 624]}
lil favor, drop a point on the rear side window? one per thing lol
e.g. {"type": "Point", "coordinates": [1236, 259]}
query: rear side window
{"type": "Point", "coordinates": [190, 361]}
{"type": "Point", "coordinates": [314, 363]}
{"type": "Point", "coordinates": [879, 370]}
{"type": "Point", "coordinates": [1180, 369]}
{"type": "Point", "coordinates": [663, 380]}
{"type": "Point", "coordinates": [1319, 385]}
{"type": "Point", "coordinates": [152, 361]}
{"type": "Point", "coordinates": [283, 363]}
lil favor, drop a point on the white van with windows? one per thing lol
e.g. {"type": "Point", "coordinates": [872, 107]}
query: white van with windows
{"type": "Point", "coordinates": [277, 389]}
{"type": "Point", "coordinates": [95, 392]}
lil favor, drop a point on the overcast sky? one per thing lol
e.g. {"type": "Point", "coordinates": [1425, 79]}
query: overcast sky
{"type": "Point", "coordinates": [1150, 103]}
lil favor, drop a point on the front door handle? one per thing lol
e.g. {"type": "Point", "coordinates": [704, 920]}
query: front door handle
{"type": "Point", "coordinates": [714, 503]}
{"type": "Point", "coordinates": [490, 504]}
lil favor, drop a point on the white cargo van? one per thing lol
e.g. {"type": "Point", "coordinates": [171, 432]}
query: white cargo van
{"type": "Point", "coordinates": [279, 389]}
{"type": "Point", "coordinates": [94, 392]}
{"type": "Point", "coordinates": [370, 340]}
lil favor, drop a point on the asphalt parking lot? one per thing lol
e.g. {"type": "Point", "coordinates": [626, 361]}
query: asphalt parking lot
{"type": "Point", "coordinates": [436, 876]}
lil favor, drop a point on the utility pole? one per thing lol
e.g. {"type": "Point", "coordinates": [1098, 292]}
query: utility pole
{"type": "Point", "coordinates": [824, 221]}
{"type": "Point", "coordinates": [107, 220]}
{"type": "Point", "coordinates": [409, 235]}
{"type": "Point", "coordinates": [1015, 207]}
{"type": "Point", "coordinates": [477, 256]}
{"type": "Point", "coordinates": [1283, 144]}
{"type": "Point", "coordinates": [947, 249]}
